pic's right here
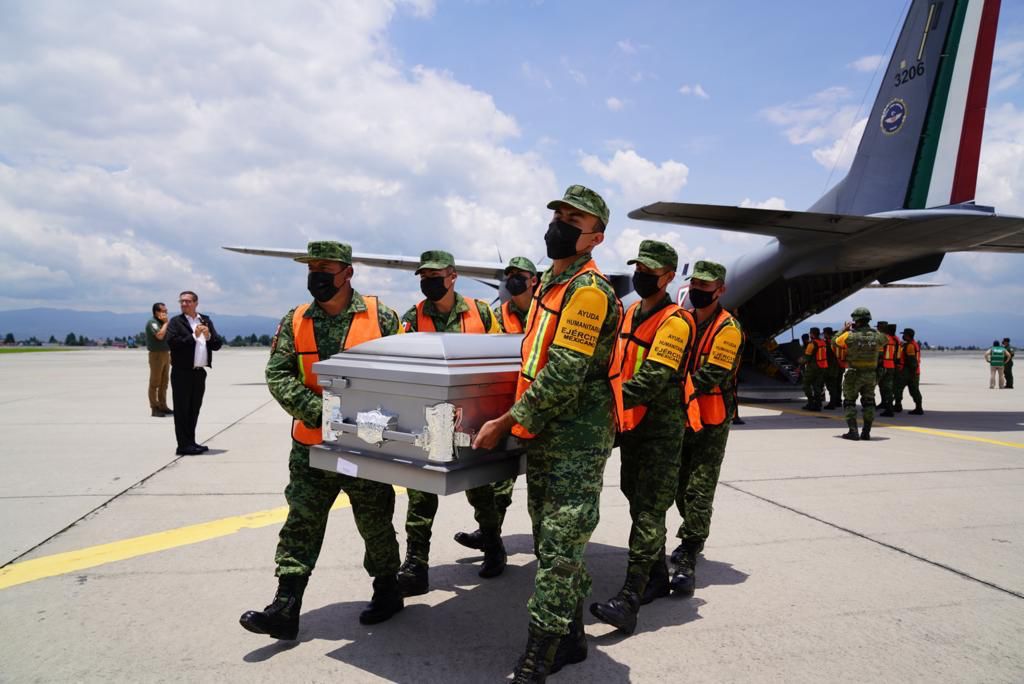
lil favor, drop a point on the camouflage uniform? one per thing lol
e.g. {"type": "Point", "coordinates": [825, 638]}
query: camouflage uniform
{"type": "Point", "coordinates": [569, 408]}
{"type": "Point", "coordinates": [862, 345]}
{"type": "Point", "coordinates": [887, 379]}
{"type": "Point", "coordinates": [515, 309]}
{"type": "Point", "coordinates": [311, 492]}
{"type": "Point", "coordinates": [703, 451]}
{"type": "Point", "coordinates": [813, 377]}
{"type": "Point", "coordinates": [419, 519]}
{"type": "Point", "coordinates": [834, 373]}
{"type": "Point", "coordinates": [651, 456]}
{"type": "Point", "coordinates": [908, 377]}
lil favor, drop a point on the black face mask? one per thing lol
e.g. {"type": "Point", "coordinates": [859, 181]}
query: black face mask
{"type": "Point", "coordinates": [702, 298]}
{"type": "Point", "coordinates": [645, 284]}
{"type": "Point", "coordinates": [561, 239]}
{"type": "Point", "coordinates": [433, 288]}
{"type": "Point", "coordinates": [516, 285]}
{"type": "Point", "coordinates": [321, 286]}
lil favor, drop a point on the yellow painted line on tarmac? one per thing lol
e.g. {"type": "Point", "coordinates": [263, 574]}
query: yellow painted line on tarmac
{"type": "Point", "coordinates": [93, 556]}
{"type": "Point", "coordinates": [908, 428]}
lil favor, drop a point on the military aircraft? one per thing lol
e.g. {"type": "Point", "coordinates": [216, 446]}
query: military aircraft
{"type": "Point", "coordinates": [906, 201]}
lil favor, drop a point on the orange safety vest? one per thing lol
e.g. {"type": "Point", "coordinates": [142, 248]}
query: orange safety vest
{"type": "Point", "coordinates": [712, 405]}
{"type": "Point", "coordinates": [900, 362]}
{"type": "Point", "coordinates": [917, 348]}
{"type": "Point", "coordinates": [889, 352]}
{"type": "Point", "coordinates": [630, 351]}
{"type": "Point", "coordinates": [509, 319]}
{"type": "Point", "coordinates": [470, 320]}
{"type": "Point", "coordinates": [840, 353]}
{"type": "Point", "coordinates": [541, 325]}
{"type": "Point", "coordinates": [364, 327]}
{"type": "Point", "coordinates": [820, 353]}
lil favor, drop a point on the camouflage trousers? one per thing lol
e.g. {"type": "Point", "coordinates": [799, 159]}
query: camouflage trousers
{"type": "Point", "coordinates": [814, 384]}
{"type": "Point", "coordinates": [834, 383]}
{"type": "Point", "coordinates": [563, 489]}
{"type": "Point", "coordinates": [859, 382]}
{"type": "Point", "coordinates": [701, 462]}
{"type": "Point", "coordinates": [885, 386]}
{"type": "Point", "coordinates": [648, 477]}
{"type": "Point", "coordinates": [310, 494]}
{"type": "Point", "coordinates": [489, 503]}
{"type": "Point", "coordinates": [910, 381]}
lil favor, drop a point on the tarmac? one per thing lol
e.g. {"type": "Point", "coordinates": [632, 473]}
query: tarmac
{"type": "Point", "coordinates": [900, 559]}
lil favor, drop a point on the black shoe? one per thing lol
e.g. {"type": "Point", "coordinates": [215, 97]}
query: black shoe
{"type": "Point", "coordinates": [188, 451]}
{"type": "Point", "coordinates": [887, 413]}
{"type": "Point", "coordinates": [865, 434]}
{"type": "Point", "coordinates": [621, 610]}
{"type": "Point", "coordinates": [852, 433]}
{"type": "Point", "coordinates": [471, 540]}
{"type": "Point", "coordinates": [413, 577]}
{"type": "Point", "coordinates": [572, 648]}
{"type": "Point", "coordinates": [534, 665]}
{"type": "Point", "coordinates": [157, 413]}
{"type": "Point", "coordinates": [738, 421]}
{"type": "Point", "coordinates": [657, 584]}
{"type": "Point", "coordinates": [280, 619]}
{"type": "Point", "coordinates": [829, 406]}
{"type": "Point", "coordinates": [918, 411]}
{"type": "Point", "coordinates": [677, 555]}
{"type": "Point", "coordinates": [386, 601]}
{"type": "Point", "coordinates": [495, 558]}
{"type": "Point", "coordinates": [898, 408]}
{"type": "Point", "coordinates": [684, 581]}
{"type": "Point", "coordinates": [166, 411]}
{"type": "Point", "coordinates": [202, 448]}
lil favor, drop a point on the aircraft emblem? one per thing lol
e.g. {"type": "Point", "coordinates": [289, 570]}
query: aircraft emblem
{"type": "Point", "coordinates": [893, 116]}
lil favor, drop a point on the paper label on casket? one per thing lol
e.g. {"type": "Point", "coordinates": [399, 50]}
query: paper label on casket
{"type": "Point", "coordinates": [347, 468]}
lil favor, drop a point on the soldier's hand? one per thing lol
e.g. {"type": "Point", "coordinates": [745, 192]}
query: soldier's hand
{"type": "Point", "coordinates": [161, 316]}
{"type": "Point", "coordinates": [847, 326]}
{"type": "Point", "coordinates": [493, 431]}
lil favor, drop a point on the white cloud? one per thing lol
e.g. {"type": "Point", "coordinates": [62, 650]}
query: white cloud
{"type": "Point", "coordinates": [1007, 65]}
{"type": "Point", "coordinates": [867, 64]}
{"type": "Point", "coordinates": [614, 104]}
{"type": "Point", "coordinates": [840, 154]}
{"type": "Point", "coordinates": [575, 74]}
{"type": "Point", "coordinates": [770, 203]}
{"type": "Point", "coordinates": [627, 47]}
{"type": "Point", "coordinates": [137, 139]}
{"type": "Point", "coordinates": [696, 90]}
{"type": "Point", "coordinates": [535, 76]}
{"type": "Point", "coordinates": [1001, 171]}
{"type": "Point", "coordinates": [637, 180]}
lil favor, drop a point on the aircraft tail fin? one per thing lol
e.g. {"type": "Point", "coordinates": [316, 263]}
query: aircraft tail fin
{"type": "Point", "coordinates": [922, 142]}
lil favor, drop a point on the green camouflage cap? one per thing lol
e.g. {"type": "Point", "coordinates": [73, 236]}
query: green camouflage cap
{"type": "Point", "coordinates": [861, 312]}
{"type": "Point", "coordinates": [708, 270]}
{"type": "Point", "coordinates": [435, 260]}
{"type": "Point", "coordinates": [326, 250]}
{"type": "Point", "coordinates": [521, 263]}
{"type": "Point", "coordinates": [584, 199]}
{"type": "Point", "coordinates": [654, 254]}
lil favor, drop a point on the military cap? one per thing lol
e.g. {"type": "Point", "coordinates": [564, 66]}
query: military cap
{"type": "Point", "coordinates": [827, 329]}
{"type": "Point", "coordinates": [861, 312]}
{"type": "Point", "coordinates": [584, 199]}
{"type": "Point", "coordinates": [326, 250]}
{"type": "Point", "coordinates": [815, 331]}
{"type": "Point", "coordinates": [708, 270]}
{"type": "Point", "coordinates": [908, 331]}
{"type": "Point", "coordinates": [891, 329]}
{"type": "Point", "coordinates": [881, 324]}
{"type": "Point", "coordinates": [435, 260]}
{"type": "Point", "coordinates": [654, 254]}
{"type": "Point", "coordinates": [521, 263]}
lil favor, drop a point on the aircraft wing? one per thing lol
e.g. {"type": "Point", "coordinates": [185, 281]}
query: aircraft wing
{"type": "Point", "coordinates": [492, 270]}
{"type": "Point", "coordinates": [779, 223]}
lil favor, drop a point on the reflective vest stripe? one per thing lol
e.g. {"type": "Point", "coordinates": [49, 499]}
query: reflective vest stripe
{"type": "Point", "coordinates": [889, 352]}
{"type": "Point", "coordinates": [470, 320]}
{"type": "Point", "coordinates": [820, 353]}
{"type": "Point", "coordinates": [533, 363]}
{"type": "Point", "coordinates": [509, 320]}
{"type": "Point", "coordinates": [365, 326]}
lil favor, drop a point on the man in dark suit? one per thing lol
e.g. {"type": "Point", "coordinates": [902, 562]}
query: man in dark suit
{"type": "Point", "coordinates": [192, 339]}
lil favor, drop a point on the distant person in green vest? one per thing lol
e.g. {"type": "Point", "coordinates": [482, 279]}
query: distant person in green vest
{"type": "Point", "coordinates": [996, 356]}
{"type": "Point", "coordinates": [159, 361]}
{"type": "Point", "coordinates": [1008, 367]}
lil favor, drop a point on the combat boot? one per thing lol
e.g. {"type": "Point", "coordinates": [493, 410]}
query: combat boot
{"type": "Point", "coordinates": [657, 584]}
{"type": "Point", "coordinates": [621, 610]}
{"type": "Point", "coordinates": [280, 619]}
{"type": "Point", "coordinates": [918, 411]}
{"type": "Point", "coordinates": [887, 412]}
{"type": "Point", "coordinates": [413, 576]}
{"type": "Point", "coordinates": [534, 665]}
{"type": "Point", "coordinates": [852, 434]}
{"type": "Point", "coordinates": [865, 434]}
{"type": "Point", "coordinates": [471, 540]}
{"type": "Point", "coordinates": [572, 648]}
{"type": "Point", "coordinates": [684, 581]}
{"type": "Point", "coordinates": [385, 602]}
{"type": "Point", "coordinates": [898, 408]}
{"type": "Point", "coordinates": [495, 557]}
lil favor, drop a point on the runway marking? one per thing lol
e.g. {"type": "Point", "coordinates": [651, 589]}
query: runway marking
{"type": "Point", "coordinates": [908, 428]}
{"type": "Point", "coordinates": [93, 556]}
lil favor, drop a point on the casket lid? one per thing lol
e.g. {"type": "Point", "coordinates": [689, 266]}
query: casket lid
{"type": "Point", "coordinates": [441, 347]}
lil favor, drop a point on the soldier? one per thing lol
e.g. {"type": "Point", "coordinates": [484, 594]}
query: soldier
{"type": "Point", "coordinates": [520, 280]}
{"type": "Point", "coordinates": [445, 310]}
{"type": "Point", "coordinates": [339, 318]}
{"type": "Point", "coordinates": [909, 375]}
{"type": "Point", "coordinates": [651, 357]}
{"type": "Point", "coordinates": [712, 366]}
{"type": "Point", "coordinates": [1008, 367]}
{"type": "Point", "coordinates": [566, 403]}
{"type": "Point", "coordinates": [815, 363]}
{"type": "Point", "coordinates": [886, 383]}
{"type": "Point", "coordinates": [862, 345]}
{"type": "Point", "coordinates": [834, 373]}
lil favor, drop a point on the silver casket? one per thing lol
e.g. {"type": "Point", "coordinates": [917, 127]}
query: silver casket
{"type": "Point", "coordinates": [404, 410]}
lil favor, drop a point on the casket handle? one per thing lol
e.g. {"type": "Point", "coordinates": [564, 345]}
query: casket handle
{"type": "Point", "coordinates": [332, 383]}
{"type": "Point", "coordinates": [392, 435]}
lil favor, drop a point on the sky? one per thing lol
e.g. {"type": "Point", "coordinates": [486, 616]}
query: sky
{"type": "Point", "coordinates": [136, 139]}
